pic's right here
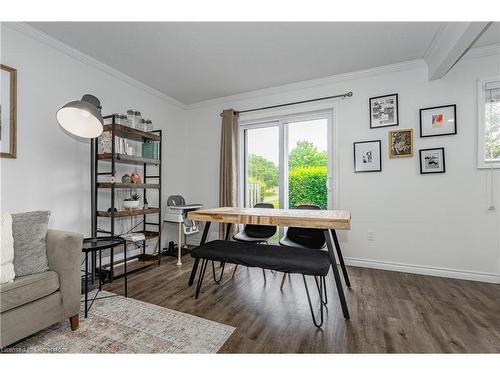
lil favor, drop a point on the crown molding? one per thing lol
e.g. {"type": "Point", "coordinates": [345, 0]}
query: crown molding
{"type": "Point", "coordinates": [88, 60]}
{"type": "Point", "coordinates": [296, 86]}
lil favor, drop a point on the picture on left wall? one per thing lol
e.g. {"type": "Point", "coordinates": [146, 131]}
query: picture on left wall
{"type": "Point", "coordinates": [8, 112]}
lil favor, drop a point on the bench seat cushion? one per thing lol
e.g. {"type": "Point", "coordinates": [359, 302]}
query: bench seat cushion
{"type": "Point", "coordinates": [277, 258]}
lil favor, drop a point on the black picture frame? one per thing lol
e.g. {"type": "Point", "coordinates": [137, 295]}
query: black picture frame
{"type": "Point", "coordinates": [370, 110]}
{"type": "Point", "coordinates": [380, 156]}
{"type": "Point", "coordinates": [439, 106]}
{"type": "Point", "coordinates": [431, 149]}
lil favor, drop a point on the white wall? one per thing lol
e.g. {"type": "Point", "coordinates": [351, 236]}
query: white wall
{"type": "Point", "coordinates": [52, 169]}
{"type": "Point", "coordinates": [434, 224]}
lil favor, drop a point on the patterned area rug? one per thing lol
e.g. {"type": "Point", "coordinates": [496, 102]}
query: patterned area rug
{"type": "Point", "coordinates": [126, 325]}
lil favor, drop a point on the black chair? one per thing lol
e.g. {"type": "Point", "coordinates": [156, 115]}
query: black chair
{"type": "Point", "coordinates": [304, 238]}
{"type": "Point", "coordinates": [256, 233]}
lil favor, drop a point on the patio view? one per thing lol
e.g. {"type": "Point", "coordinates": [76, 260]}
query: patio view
{"type": "Point", "coordinates": [307, 164]}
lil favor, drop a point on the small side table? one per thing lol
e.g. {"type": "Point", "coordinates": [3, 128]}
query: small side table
{"type": "Point", "coordinates": [97, 245]}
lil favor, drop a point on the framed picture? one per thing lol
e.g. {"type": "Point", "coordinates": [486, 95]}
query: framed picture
{"type": "Point", "coordinates": [367, 156]}
{"type": "Point", "coordinates": [436, 121]}
{"type": "Point", "coordinates": [432, 160]}
{"type": "Point", "coordinates": [384, 111]}
{"type": "Point", "coordinates": [8, 112]}
{"type": "Point", "coordinates": [401, 143]}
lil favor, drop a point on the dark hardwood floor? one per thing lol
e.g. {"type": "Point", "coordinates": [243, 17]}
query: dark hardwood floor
{"type": "Point", "coordinates": [391, 312]}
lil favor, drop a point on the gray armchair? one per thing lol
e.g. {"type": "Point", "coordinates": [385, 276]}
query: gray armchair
{"type": "Point", "coordinates": [34, 302]}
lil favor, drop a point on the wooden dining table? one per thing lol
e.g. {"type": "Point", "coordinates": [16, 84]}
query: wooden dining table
{"type": "Point", "coordinates": [327, 220]}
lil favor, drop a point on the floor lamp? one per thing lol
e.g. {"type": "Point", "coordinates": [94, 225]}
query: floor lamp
{"type": "Point", "coordinates": [83, 119]}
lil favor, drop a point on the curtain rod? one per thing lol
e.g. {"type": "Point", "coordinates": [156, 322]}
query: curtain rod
{"type": "Point", "coordinates": [343, 96]}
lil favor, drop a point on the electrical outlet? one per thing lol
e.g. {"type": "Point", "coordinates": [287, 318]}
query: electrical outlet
{"type": "Point", "coordinates": [370, 235]}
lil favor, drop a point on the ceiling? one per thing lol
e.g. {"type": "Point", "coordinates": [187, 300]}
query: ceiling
{"type": "Point", "coordinates": [193, 62]}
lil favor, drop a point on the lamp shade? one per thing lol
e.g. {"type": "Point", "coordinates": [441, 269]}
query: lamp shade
{"type": "Point", "coordinates": [82, 117]}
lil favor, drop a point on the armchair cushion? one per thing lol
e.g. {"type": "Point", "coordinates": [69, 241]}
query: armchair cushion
{"type": "Point", "coordinates": [26, 289]}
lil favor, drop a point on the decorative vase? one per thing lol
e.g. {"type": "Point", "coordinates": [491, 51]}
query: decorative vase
{"type": "Point", "coordinates": [135, 178]}
{"type": "Point", "coordinates": [126, 179]}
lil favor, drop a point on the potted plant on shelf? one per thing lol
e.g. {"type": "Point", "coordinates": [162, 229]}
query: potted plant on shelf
{"type": "Point", "coordinates": [132, 202]}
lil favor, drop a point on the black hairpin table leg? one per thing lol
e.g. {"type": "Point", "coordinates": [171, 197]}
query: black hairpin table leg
{"type": "Point", "coordinates": [341, 258]}
{"type": "Point", "coordinates": [336, 274]}
{"type": "Point", "coordinates": [197, 260]}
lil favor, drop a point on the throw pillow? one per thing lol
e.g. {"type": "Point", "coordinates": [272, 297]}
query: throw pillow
{"type": "Point", "coordinates": [6, 250]}
{"type": "Point", "coordinates": [29, 230]}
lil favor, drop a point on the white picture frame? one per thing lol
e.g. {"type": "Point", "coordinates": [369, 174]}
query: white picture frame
{"type": "Point", "coordinates": [368, 156]}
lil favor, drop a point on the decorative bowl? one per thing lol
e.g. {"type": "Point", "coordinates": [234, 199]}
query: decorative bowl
{"type": "Point", "coordinates": [131, 205]}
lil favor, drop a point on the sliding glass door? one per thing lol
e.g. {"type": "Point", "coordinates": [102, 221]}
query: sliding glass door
{"type": "Point", "coordinates": [307, 163]}
{"type": "Point", "coordinates": [262, 165]}
{"type": "Point", "coordinates": [287, 161]}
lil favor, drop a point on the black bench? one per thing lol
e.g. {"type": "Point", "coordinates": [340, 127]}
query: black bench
{"type": "Point", "coordinates": [307, 262]}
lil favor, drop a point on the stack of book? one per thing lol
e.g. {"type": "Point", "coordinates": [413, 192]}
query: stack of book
{"type": "Point", "coordinates": [122, 146]}
{"type": "Point", "coordinates": [134, 236]}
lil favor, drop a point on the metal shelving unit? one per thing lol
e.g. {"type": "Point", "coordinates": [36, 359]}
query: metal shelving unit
{"type": "Point", "coordinates": [151, 182]}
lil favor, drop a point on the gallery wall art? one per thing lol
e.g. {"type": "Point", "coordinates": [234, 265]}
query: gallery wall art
{"type": "Point", "coordinates": [401, 143]}
{"type": "Point", "coordinates": [436, 121]}
{"type": "Point", "coordinates": [367, 156]}
{"type": "Point", "coordinates": [432, 160]}
{"type": "Point", "coordinates": [8, 112]}
{"type": "Point", "coordinates": [384, 111]}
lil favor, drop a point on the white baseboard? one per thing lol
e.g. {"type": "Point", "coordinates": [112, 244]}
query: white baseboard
{"type": "Point", "coordinates": [425, 270]}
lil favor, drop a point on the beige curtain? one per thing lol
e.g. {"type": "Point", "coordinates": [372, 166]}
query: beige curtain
{"type": "Point", "coordinates": [228, 184]}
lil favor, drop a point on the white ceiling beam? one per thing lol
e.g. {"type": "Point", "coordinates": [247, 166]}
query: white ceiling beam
{"type": "Point", "coordinates": [450, 43]}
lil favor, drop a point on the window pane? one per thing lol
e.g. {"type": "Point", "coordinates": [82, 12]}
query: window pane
{"type": "Point", "coordinates": [492, 124]}
{"type": "Point", "coordinates": [262, 166]}
{"type": "Point", "coordinates": [307, 163]}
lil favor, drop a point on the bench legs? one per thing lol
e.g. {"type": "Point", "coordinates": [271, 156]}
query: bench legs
{"type": "Point", "coordinates": [340, 290]}
{"type": "Point", "coordinates": [223, 264]}
{"type": "Point", "coordinates": [321, 284]}
{"type": "Point", "coordinates": [322, 303]}
{"type": "Point", "coordinates": [203, 239]}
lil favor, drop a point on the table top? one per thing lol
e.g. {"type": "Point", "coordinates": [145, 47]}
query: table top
{"type": "Point", "coordinates": [321, 219]}
{"type": "Point", "coordinates": [101, 243]}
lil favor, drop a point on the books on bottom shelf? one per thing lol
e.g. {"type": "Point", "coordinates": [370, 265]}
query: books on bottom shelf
{"type": "Point", "coordinates": [134, 236]}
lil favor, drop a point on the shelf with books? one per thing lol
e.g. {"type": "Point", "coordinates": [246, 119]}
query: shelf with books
{"type": "Point", "coordinates": [118, 145]}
